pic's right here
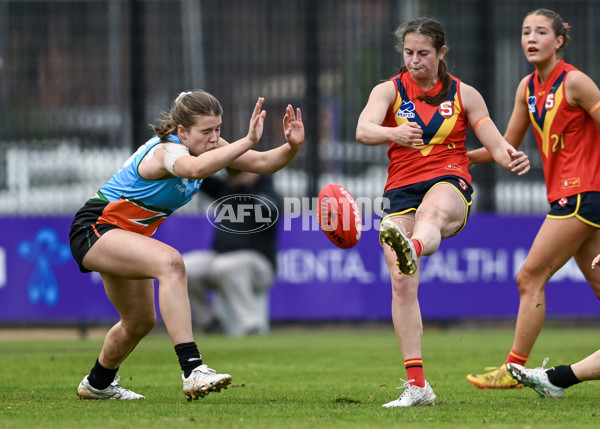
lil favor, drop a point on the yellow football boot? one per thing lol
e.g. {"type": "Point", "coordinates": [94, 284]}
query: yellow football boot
{"type": "Point", "coordinates": [496, 378]}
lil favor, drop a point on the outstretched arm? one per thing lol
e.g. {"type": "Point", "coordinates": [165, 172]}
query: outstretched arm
{"type": "Point", "coordinates": [515, 131]}
{"type": "Point", "coordinates": [206, 163]}
{"type": "Point", "coordinates": [498, 148]}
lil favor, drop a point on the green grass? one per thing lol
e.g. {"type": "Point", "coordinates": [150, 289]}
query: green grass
{"type": "Point", "coordinates": [296, 379]}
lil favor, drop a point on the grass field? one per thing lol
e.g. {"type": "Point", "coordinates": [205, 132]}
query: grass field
{"type": "Point", "coordinates": [294, 379]}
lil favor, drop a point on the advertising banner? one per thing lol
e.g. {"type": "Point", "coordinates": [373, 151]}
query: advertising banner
{"type": "Point", "coordinates": [471, 276]}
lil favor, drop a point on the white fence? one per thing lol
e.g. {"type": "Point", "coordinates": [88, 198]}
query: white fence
{"type": "Point", "coordinates": [59, 179]}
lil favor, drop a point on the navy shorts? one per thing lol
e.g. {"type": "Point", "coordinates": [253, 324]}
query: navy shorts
{"type": "Point", "coordinates": [584, 206]}
{"type": "Point", "coordinates": [85, 230]}
{"type": "Point", "coordinates": [408, 198]}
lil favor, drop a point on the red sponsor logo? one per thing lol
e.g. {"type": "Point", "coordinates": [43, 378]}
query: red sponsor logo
{"type": "Point", "coordinates": [570, 183]}
{"type": "Point", "coordinates": [453, 167]}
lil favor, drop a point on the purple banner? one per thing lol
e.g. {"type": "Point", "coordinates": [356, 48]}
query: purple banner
{"type": "Point", "coordinates": [472, 275]}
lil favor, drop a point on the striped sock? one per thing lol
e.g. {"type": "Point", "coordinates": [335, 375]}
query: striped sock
{"type": "Point", "coordinates": [414, 371]}
{"type": "Point", "coordinates": [515, 357]}
{"type": "Point", "coordinates": [418, 246]}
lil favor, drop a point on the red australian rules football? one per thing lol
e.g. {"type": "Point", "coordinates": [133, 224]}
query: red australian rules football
{"type": "Point", "coordinates": [339, 216]}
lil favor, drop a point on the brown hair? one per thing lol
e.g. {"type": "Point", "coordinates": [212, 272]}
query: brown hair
{"type": "Point", "coordinates": [432, 29]}
{"type": "Point", "coordinates": [559, 27]}
{"type": "Point", "coordinates": [184, 108]}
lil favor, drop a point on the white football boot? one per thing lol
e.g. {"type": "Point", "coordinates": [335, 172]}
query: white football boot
{"type": "Point", "coordinates": [202, 381]}
{"type": "Point", "coordinates": [536, 378]}
{"type": "Point", "coordinates": [413, 396]}
{"type": "Point", "coordinates": [114, 391]}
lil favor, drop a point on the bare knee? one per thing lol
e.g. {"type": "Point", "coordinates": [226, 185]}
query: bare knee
{"type": "Point", "coordinates": [139, 327]}
{"type": "Point", "coordinates": [528, 283]}
{"type": "Point", "coordinates": [401, 288]}
{"type": "Point", "coordinates": [522, 281]}
{"type": "Point", "coordinates": [397, 278]}
{"type": "Point", "coordinates": [172, 266]}
{"type": "Point", "coordinates": [146, 325]}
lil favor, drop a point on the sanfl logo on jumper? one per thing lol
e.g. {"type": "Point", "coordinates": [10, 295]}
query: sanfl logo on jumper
{"type": "Point", "coordinates": [549, 101]}
{"type": "Point", "coordinates": [446, 109]}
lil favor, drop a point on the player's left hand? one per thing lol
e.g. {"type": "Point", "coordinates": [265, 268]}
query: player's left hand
{"type": "Point", "coordinates": [520, 162]}
{"type": "Point", "coordinates": [293, 128]}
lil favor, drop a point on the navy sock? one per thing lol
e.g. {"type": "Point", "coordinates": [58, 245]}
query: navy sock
{"type": "Point", "coordinates": [189, 357]}
{"type": "Point", "coordinates": [562, 376]}
{"type": "Point", "coordinates": [100, 378]}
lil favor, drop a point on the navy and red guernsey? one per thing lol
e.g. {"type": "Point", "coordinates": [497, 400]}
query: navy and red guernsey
{"type": "Point", "coordinates": [444, 134]}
